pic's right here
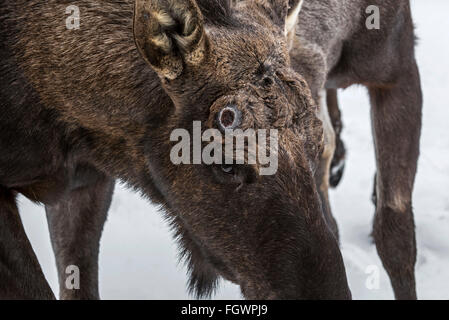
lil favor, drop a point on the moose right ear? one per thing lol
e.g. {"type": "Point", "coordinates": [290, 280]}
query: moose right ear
{"type": "Point", "coordinates": [170, 35]}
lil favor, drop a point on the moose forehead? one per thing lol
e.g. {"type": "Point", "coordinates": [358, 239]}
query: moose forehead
{"type": "Point", "coordinates": [250, 50]}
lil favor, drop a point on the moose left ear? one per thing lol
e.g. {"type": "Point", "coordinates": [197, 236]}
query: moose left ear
{"type": "Point", "coordinates": [170, 35]}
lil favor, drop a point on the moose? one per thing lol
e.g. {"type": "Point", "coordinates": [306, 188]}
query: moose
{"type": "Point", "coordinates": [81, 108]}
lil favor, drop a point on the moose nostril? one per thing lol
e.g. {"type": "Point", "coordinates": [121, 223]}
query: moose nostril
{"type": "Point", "coordinates": [229, 117]}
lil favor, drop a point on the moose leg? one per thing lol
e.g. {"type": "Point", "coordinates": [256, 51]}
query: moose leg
{"type": "Point", "coordinates": [21, 276]}
{"type": "Point", "coordinates": [338, 160]}
{"type": "Point", "coordinates": [396, 117]}
{"type": "Point", "coordinates": [75, 224]}
{"type": "Point", "coordinates": [323, 171]}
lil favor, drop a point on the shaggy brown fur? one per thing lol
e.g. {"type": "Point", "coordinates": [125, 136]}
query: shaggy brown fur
{"type": "Point", "coordinates": [81, 108]}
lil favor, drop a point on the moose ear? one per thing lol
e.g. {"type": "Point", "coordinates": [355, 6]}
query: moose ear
{"type": "Point", "coordinates": [170, 35]}
{"type": "Point", "coordinates": [284, 13]}
{"type": "Point", "coordinates": [294, 8]}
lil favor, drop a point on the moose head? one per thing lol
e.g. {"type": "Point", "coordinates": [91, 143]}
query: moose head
{"type": "Point", "coordinates": [228, 67]}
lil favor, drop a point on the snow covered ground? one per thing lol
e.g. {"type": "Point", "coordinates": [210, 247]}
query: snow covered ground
{"type": "Point", "coordinates": [138, 256]}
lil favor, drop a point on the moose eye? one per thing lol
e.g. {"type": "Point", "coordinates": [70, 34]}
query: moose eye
{"type": "Point", "coordinates": [226, 168]}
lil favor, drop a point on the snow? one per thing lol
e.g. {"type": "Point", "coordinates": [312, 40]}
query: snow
{"type": "Point", "coordinates": [138, 256]}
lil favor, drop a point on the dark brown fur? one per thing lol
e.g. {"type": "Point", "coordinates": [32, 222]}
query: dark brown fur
{"type": "Point", "coordinates": [81, 108]}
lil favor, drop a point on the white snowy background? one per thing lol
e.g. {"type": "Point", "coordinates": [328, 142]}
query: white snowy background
{"type": "Point", "coordinates": [138, 258]}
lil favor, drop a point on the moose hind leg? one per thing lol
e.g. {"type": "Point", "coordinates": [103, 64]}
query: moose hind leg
{"type": "Point", "coordinates": [396, 117]}
{"type": "Point", "coordinates": [338, 160]}
{"type": "Point", "coordinates": [75, 224]}
{"type": "Point", "coordinates": [21, 276]}
{"type": "Point", "coordinates": [323, 172]}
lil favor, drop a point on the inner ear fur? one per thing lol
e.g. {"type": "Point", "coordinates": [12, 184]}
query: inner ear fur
{"type": "Point", "coordinates": [283, 13]}
{"type": "Point", "coordinates": [169, 35]}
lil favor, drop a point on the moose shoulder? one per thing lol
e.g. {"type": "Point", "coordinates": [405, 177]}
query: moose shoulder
{"type": "Point", "coordinates": [83, 107]}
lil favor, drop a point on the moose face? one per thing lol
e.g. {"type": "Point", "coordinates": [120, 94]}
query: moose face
{"type": "Point", "coordinates": [258, 230]}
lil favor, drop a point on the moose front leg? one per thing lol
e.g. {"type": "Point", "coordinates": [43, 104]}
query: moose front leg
{"type": "Point", "coordinates": [21, 276]}
{"type": "Point", "coordinates": [396, 117]}
{"type": "Point", "coordinates": [75, 224]}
